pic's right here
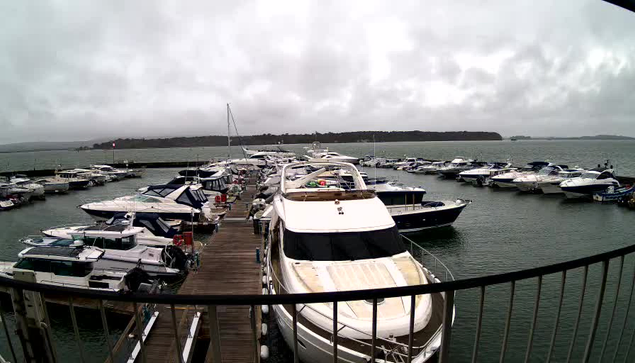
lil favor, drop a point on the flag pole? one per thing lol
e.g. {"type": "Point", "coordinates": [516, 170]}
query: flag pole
{"type": "Point", "coordinates": [113, 152]}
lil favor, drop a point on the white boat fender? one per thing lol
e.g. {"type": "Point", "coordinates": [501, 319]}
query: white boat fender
{"type": "Point", "coordinates": [264, 291]}
{"type": "Point", "coordinates": [264, 280]}
{"type": "Point", "coordinates": [264, 329]}
{"type": "Point", "coordinates": [265, 309]}
{"type": "Point", "coordinates": [264, 352]}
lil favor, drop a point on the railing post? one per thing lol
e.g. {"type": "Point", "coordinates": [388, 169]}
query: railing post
{"type": "Point", "coordinates": [617, 295]}
{"type": "Point", "coordinates": [373, 349]}
{"type": "Point", "coordinates": [628, 309]}
{"type": "Point", "coordinates": [479, 324]}
{"type": "Point", "coordinates": [508, 321]}
{"type": "Point", "coordinates": [446, 337]}
{"type": "Point", "coordinates": [254, 333]}
{"type": "Point", "coordinates": [555, 327]}
{"type": "Point", "coordinates": [294, 314]}
{"type": "Point", "coordinates": [76, 329]}
{"type": "Point", "coordinates": [104, 323]}
{"type": "Point", "coordinates": [596, 316]}
{"type": "Point", "coordinates": [214, 334]}
{"type": "Point", "coordinates": [580, 306]}
{"type": "Point", "coordinates": [139, 331]}
{"type": "Point", "coordinates": [413, 301]}
{"type": "Point", "coordinates": [335, 331]}
{"type": "Point", "coordinates": [6, 332]}
{"type": "Point", "coordinates": [535, 317]}
{"type": "Point", "coordinates": [177, 339]}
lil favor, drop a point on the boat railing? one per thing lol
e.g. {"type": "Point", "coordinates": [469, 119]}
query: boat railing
{"type": "Point", "coordinates": [588, 293]}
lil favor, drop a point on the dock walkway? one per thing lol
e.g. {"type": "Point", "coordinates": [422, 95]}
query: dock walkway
{"type": "Point", "coordinates": [228, 266]}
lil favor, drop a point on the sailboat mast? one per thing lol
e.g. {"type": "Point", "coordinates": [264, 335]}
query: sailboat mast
{"type": "Point", "coordinates": [229, 141]}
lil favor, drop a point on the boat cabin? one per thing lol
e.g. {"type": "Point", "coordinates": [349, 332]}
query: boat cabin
{"type": "Point", "coordinates": [60, 261]}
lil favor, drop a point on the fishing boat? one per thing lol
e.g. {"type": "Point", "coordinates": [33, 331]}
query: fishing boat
{"type": "Point", "coordinates": [73, 178]}
{"type": "Point", "coordinates": [54, 186]}
{"type": "Point", "coordinates": [355, 246]}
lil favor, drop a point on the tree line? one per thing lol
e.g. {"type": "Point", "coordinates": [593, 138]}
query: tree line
{"type": "Point", "coordinates": [271, 139]}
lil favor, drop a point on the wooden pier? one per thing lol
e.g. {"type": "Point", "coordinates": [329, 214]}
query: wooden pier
{"type": "Point", "coordinates": [228, 266]}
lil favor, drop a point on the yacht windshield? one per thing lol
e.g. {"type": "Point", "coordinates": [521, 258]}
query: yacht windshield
{"type": "Point", "coordinates": [346, 246]}
{"type": "Point", "coordinates": [145, 199]}
{"type": "Point", "coordinates": [589, 175]}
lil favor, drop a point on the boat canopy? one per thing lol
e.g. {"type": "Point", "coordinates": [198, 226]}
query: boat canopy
{"type": "Point", "coordinates": [152, 221]}
{"type": "Point", "coordinates": [182, 194]}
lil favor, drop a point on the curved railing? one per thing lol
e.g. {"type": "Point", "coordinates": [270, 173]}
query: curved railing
{"type": "Point", "coordinates": [448, 288]}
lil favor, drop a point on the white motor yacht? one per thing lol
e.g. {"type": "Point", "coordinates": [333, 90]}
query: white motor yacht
{"type": "Point", "coordinates": [326, 237]}
{"type": "Point", "coordinates": [529, 182]}
{"type": "Point", "coordinates": [455, 166]}
{"type": "Point", "coordinates": [590, 182]}
{"type": "Point", "coordinates": [36, 189]}
{"type": "Point", "coordinates": [121, 250]}
{"type": "Point", "coordinates": [70, 267]}
{"type": "Point", "coordinates": [115, 174]}
{"type": "Point", "coordinates": [155, 232]}
{"type": "Point", "coordinates": [431, 168]}
{"type": "Point", "coordinates": [333, 156]}
{"type": "Point", "coordinates": [481, 175]}
{"type": "Point", "coordinates": [180, 202]}
{"type": "Point", "coordinates": [506, 180]}
{"type": "Point", "coordinates": [95, 176]}
{"type": "Point", "coordinates": [551, 184]}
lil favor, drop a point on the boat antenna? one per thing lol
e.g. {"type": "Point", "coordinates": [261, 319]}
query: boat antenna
{"type": "Point", "coordinates": [229, 141]}
{"type": "Point", "coordinates": [240, 140]}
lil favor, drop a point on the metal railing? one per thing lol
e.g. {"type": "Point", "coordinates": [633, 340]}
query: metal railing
{"type": "Point", "coordinates": [596, 341]}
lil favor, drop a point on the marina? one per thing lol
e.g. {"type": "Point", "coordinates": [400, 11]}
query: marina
{"type": "Point", "coordinates": [240, 341]}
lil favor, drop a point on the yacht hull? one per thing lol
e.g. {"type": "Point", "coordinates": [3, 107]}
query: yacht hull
{"type": "Point", "coordinates": [550, 188]}
{"type": "Point", "coordinates": [78, 184]}
{"type": "Point", "coordinates": [583, 191]}
{"type": "Point", "coordinates": [55, 188]}
{"type": "Point", "coordinates": [424, 218]}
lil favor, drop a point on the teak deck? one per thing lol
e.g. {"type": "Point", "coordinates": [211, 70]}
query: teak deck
{"type": "Point", "coordinates": [228, 266]}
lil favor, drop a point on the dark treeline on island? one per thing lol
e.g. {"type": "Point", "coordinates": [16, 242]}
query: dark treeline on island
{"type": "Point", "coordinates": [330, 137]}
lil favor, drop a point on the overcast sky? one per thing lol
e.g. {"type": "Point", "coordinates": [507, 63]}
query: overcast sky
{"type": "Point", "coordinates": [79, 70]}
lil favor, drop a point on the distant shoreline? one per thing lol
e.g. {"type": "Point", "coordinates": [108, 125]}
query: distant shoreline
{"type": "Point", "coordinates": [327, 138]}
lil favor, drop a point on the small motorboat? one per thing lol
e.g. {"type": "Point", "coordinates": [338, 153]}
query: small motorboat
{"type": "Point", "coordinates": [121, 250]}
{"type": "Point", "coordinates": [551, 183]}
{"type": "Point", "coordinates": [72, 267]}
{"type": "Point", "coordinates": [613, 194]}
{"type": "Point", "coordinates": [481, 176]}
{"type": "Point", "coordinates": [155, 232]}
{"type": "Point", "coordinates": [456, 166]}
{"type": "Point", "coordinates": [506, 180]}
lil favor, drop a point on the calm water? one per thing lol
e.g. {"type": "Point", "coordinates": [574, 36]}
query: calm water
{"type": "Point", "coordinates": [500, 231]}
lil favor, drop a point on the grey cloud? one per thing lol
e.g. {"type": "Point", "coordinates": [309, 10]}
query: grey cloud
{"type": "Point", "coordinates": [79, 70]}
